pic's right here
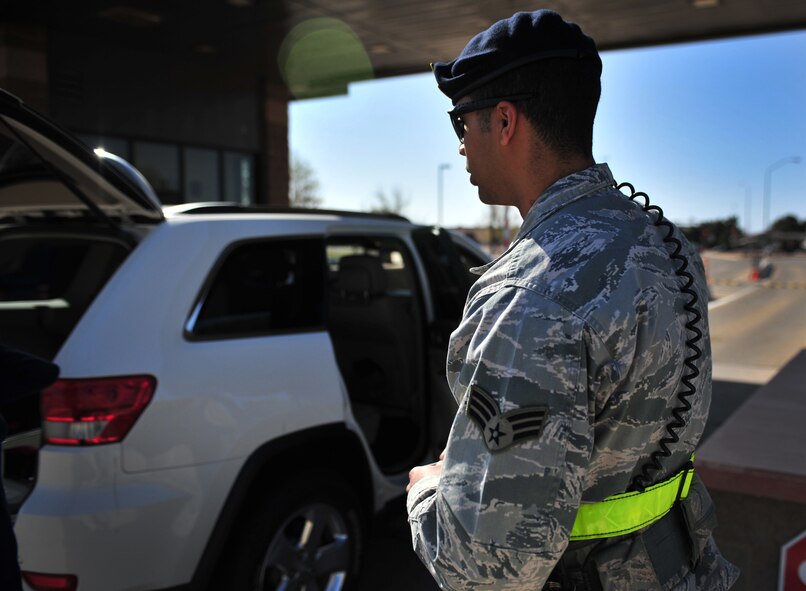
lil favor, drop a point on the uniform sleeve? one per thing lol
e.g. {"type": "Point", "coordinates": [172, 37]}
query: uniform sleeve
{"type": "Point", "coordinates": [499, 516]}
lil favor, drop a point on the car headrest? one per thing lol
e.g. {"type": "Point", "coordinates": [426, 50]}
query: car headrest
{"type": "Point", "coordinates": [361, 276]}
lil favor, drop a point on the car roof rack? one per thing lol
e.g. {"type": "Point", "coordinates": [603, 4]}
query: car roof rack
{"type": "Point", "coordinates": [229, 207]}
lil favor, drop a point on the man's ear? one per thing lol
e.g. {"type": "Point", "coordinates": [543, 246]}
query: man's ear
{"type": "Point", "coordinates": [507, 120]}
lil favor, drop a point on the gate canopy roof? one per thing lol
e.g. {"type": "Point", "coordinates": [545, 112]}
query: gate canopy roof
{"type": "Point", "coordinates": [396, 36]}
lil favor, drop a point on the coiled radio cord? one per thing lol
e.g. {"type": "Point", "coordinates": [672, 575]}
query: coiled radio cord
{"type": "Point", "coordinates": [653, 465]}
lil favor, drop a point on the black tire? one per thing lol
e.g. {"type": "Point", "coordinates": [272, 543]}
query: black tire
{"type": "Point", "coordinates": [308, 536]}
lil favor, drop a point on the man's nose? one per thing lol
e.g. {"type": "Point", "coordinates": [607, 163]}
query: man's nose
{"type": "Point", "coordinates": [462, 149]}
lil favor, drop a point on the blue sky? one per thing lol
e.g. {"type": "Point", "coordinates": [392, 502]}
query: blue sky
{"type": "Point", "coordinates": [694, 125]}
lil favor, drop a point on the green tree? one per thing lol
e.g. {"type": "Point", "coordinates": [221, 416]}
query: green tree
{"type": "Point", "coordinates": [303, 187]}
{"type": "Point", "coordinates": [789, 223]}
{"type": "Point", "coordinates": [714, 234]}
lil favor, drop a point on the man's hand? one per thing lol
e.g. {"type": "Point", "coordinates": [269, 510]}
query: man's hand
{"type": "Point", "coordinates": [419, 472]}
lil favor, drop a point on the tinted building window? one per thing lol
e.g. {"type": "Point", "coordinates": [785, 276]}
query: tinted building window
{"type": "Point", "coordinates": [159, 163]}
{"type": "Point", "coordinates": [265, 287]}
{"type": "Point", "coordinates": [201, 175]}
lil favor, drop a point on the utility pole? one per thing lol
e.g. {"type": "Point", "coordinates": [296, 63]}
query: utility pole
{"type": "Point", "coordinates": [440, 169]}
{"type": "Point", "coordinates": [747, 207]}
{"type": "Point", "coordinates": [767, 186]}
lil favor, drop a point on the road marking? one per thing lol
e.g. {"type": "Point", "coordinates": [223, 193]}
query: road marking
{"type": "Point", "coordinates": [784, 285]}
{"type": "Point", "coordinates": [732, 297]}
{"type": "Point", "coordinates": [732, 282]}
{"type": "Point", "coordinates": [749, 288]}
{"type": "Point", "coordinates": [764, 284]}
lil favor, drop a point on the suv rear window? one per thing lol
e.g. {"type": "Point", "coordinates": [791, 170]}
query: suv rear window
{"type": "Point", "coordinates": [16, 160]}
{"type": "Point", "coordinates": [263, 288]}
{"type": "Point", "coordinates": [46, 284]}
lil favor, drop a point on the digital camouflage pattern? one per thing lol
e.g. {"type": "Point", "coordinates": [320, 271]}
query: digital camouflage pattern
{"type": "Point", "coordinates": [581, 317]}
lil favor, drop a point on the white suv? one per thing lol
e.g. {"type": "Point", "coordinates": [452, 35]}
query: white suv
{"type": "Point", "coordinates": [240, 390]}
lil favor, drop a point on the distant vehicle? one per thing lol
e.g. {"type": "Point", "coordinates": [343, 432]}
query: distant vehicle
{"type": "Point", "coordinates": [240, 388]}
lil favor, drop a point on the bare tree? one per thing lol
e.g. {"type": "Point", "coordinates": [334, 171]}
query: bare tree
{"type": "Point", "coordinates": [494, 225]}
{"type": "Point", "coordinates": [394, 202]}
{"type": "Point", "coordinates": [498, 232]}
{"type": "Point", "coordinates": [303, 187]}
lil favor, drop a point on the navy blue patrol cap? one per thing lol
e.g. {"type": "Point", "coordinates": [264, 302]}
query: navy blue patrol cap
{"type": "Point", "coordinates": [523, 38]}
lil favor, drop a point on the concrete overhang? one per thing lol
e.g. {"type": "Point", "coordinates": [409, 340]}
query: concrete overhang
{"type": "Point", "coordinates": [397, 36]}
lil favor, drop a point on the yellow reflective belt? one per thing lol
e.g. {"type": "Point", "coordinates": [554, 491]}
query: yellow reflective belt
{"type": "Point", "coordinates": [628, 512]}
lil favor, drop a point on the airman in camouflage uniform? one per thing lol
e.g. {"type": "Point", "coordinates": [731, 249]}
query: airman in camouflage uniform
{"type": "Point", "coordinates": [566, 368]}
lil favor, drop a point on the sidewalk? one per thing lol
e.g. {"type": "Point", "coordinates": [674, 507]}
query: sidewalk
{"type": "Point", "coordinates": [761, 449]}
{"type": "Point", "coordinates": [755, 467]}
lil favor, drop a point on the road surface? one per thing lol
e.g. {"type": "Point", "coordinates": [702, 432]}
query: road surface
{"type": "Point", "coordinates": [756, 326]}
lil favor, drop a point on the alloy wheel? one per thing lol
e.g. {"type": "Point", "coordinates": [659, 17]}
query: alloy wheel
{"type": "Point", "coordinates": [311, 551]}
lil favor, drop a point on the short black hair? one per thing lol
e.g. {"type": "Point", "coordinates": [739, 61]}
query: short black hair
{"type": "Point", "coordinates": [566, 96]}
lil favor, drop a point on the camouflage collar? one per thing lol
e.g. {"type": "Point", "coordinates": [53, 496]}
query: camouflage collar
{"type": "Point", "coordinates": [566, 190]}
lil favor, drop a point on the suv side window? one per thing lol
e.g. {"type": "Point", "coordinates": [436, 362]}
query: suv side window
{"type": "Point", "coordinates": [263, 288]}
{"type": "Point", "coordinates": [391, 255]}
{"type": "Point", "coordinates": [447, 273]}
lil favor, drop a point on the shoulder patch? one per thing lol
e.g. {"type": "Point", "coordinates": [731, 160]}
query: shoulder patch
{"type": "Point", "coordinates": [499, 431]}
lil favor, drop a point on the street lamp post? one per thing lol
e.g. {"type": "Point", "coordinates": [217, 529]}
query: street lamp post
{"type": "Point", "coordinates": [768, 181]}
{"type": "Point", "coordinates": [440, 169]}
{"type": "Point", "coordinates": [747, 208]}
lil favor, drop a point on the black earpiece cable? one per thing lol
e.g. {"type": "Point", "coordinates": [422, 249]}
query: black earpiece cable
{"type": "Point", "coordinates": [653, 465]}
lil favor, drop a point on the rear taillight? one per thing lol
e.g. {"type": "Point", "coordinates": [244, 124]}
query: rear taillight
{"type": "Point", "coordinates": [95, 410]}
{"type": "Point", "coordinates": [42, 582]}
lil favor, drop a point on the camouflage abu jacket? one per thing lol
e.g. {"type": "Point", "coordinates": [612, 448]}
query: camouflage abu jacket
{"type": "Point", "coordinates": [565, 367]}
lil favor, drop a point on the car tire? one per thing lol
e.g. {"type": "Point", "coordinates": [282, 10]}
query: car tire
{"type": "Point", "coordinates": [309, 535]}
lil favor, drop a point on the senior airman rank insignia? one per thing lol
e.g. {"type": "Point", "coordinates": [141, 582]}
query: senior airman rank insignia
{"type": "Point", "coordinates": [502, 430]}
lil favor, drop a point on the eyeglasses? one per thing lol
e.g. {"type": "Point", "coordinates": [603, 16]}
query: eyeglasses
{"type": "Point", "coordinates": [456, 113]}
